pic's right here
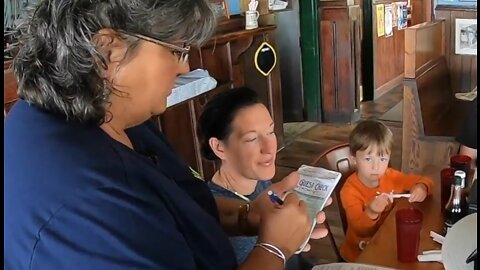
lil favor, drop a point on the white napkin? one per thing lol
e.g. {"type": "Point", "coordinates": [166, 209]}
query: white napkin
{"type": "Point", "coordinates": [437, 237]}
{"type": "Point", "coordinates": [190, 85]}
{"type": "Point", "coordinates": [279, 5]}
{"type": "Point", "coordinates": [469, 96]}
{"type": "Point", "coordinates": [430, 256]}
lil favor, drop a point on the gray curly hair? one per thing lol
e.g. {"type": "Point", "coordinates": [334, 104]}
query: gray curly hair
{"type": "Point", "coordinates": [58, 66]}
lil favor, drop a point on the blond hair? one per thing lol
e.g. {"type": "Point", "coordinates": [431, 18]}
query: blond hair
{"type": "Point", "coordinates": [371, 133]}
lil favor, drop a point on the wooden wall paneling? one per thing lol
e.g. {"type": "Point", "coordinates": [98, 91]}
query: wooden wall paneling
{"type": "Point", "coordinates": [388, 54]}
{"type": "Point", "coordinates": [10, 94]}
{"type": "Point", "coordinates": [467, 81]}
{"type": "Point", "coordinates": [423, 43]}
{"type": "Point", "coordinates": [441, 15]}
{"type": "Point", "coordinates": [473, 72]}
{"type": "Point", "coordinates": [238, 48]}
{"type": "Point", "coordinates": [195, 58]}
{"type": "Point", "coordinates": [463, 68]}
{"type": "Point", "coordinates": [7, 64]}
{"type": "Point", "coordinates": [217, 60]}
{"type": "Point", "coordinates": [274, 95]}
{"type": "Point", "coordinates": [428, 10]}
{"type": "Point", "coordinates": [271, 83]}
{"type": "Point", "coordinates": [421, 11]}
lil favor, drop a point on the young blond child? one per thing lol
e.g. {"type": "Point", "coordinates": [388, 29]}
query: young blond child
{"type": "Point", "coordinates": [365, 193]}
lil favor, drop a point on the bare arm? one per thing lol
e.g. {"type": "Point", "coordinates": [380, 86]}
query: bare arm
{"type": "Point", "coordinates": [260, 257]}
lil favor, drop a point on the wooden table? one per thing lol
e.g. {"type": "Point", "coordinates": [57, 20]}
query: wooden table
{"type": "Point", "coordinates": [382, 248]}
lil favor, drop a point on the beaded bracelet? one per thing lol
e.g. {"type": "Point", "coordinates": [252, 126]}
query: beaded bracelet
{"type": "Point", "coordinates": [274, 250]}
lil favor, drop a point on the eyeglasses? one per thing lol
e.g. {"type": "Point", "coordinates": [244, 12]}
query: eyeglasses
{"type": "Point", "coordinates": [180, 52]}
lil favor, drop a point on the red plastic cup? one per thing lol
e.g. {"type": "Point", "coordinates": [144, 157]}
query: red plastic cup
{"type": "Point", "coordinates": [447, 178]}
{"type": "Point", "coordinates": [408, 225]}
{"type": "Point", "coordinates": [461, 162]}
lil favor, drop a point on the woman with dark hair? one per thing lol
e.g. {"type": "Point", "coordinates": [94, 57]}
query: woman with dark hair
{"type": "Point", "coordinates": [90, 183]}
{"type": "Point", "coordinates": [237, 131]}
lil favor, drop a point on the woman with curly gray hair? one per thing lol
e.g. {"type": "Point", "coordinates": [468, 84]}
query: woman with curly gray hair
{"type": "Point", "coordinates": [90, 183]}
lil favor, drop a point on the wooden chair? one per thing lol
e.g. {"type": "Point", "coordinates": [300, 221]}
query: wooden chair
{"type": "Point", "coordinates": [337, 158]}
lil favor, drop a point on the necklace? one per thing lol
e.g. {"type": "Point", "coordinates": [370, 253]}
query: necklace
{"type": "Point", "coordinates": [240, 195]}
{"type": "Point", "coordinates": [225, 185]}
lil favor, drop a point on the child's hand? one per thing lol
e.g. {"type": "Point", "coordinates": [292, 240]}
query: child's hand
{"type": "Point", "coordinates": [379, 204]}
{"type": "Point", "coordinates": [418, 193]}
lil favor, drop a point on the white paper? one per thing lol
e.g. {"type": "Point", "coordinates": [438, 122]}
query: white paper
{"type": "Point", "coordinates": [350, 266]}
{"type": "Point", "coordinates": [190, 85]}
{"type": "Point", "coordinates": [388, 21]}
{"type": "Point", "coordinates": [314, 188]}
{"type": "Point", "coordinates": [402, 14]}
{"type": "Point", "coordinates": [278, 5]}
{"type": "Point", "coordinates": [430, 257]}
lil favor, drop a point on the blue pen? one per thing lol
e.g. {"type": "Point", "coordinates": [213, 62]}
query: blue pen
{"type": "Point", "coordinates": [274, 197]}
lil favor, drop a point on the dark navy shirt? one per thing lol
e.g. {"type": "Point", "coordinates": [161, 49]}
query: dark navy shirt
{"type": "Point", "coordinates": [242, 245]}
{"type": "Point", "coordinates": [468, 133]}
{"type": "Point", "coordinates": [77, 199]}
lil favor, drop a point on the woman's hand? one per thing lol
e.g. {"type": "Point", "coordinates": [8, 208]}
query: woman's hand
{"type": "Point", "coordinates": [287, 225]}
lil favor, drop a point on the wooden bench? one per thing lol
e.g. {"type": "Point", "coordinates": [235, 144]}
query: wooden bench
{"type": "Point", "coordinates": [432, 116]}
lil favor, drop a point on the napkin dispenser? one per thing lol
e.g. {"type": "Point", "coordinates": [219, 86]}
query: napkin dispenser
{"type": "Point", "coordinates": [190, 85]}
{"type": "Point", "coordinates": [472, 198]}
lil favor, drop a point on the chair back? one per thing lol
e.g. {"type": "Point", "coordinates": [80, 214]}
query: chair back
{"type": "Point", "coordinates": [338, 159]}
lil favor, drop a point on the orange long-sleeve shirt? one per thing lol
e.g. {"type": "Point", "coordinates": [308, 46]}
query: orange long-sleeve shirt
{"type": "Point", "coordinates": [356, 196]}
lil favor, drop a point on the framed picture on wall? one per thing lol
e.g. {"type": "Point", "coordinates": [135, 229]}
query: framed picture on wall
{"type": "Point", "coordinates": [220, 7]}
{"type": "Point", "coordinates": [466, 36]}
